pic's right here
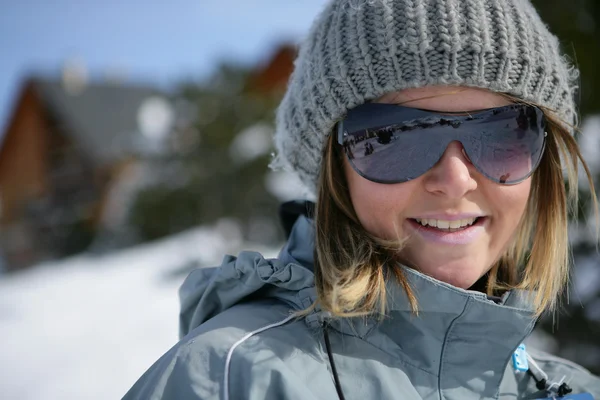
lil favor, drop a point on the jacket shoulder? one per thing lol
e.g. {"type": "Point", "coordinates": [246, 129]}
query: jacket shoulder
{"type": "Point", "coordinates": [579, 379]}
{"type": "Point", "coordinates": [235, 351]}
{"type": "Point", "coordinates": [282, 359]}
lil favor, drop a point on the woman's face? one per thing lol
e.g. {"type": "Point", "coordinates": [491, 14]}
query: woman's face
{"type": "Point", "coordinates": [452, 190]}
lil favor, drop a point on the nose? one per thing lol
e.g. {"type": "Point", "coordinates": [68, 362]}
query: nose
{"type": "Point", "coordinates": [452, 175]}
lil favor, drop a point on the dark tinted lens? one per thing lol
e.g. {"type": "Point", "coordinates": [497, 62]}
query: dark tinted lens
{"type": "Point", "coordinates": [390, 144]}
{"type": "Point", "coordinates": [507, 144]}
{"type": "Point", "coordinates": [389, 156]}
{"type": "Point", "coordinates": [386, 143]}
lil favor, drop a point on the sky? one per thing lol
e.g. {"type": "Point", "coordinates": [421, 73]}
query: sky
{"type": "Point", "coordinates": [150, 41]}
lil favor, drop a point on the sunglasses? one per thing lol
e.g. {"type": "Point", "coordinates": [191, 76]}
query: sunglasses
{"type": "Point", "coordinates": [387, 143]}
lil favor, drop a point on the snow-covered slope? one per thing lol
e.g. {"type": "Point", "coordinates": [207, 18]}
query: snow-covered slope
{"type": "Point", "coordinates": [88, 327]}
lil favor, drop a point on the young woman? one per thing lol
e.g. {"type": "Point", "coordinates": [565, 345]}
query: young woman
{"type": "Point", "coordinates": [434, 134]}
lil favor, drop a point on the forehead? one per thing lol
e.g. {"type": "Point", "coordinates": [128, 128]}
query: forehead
{"type": "Point", "coordinates": [445, 98]}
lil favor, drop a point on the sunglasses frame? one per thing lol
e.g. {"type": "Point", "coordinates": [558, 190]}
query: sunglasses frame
{"type": "Point", "coordinates": [339, 127]}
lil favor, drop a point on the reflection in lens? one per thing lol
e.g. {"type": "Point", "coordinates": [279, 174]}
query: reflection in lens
{"type": "Point", "coordinates": [390, 155]}
{"type": "Point", "coordinates": [505, 144]}
{"type": "Point", "coordinates": [510, 149]}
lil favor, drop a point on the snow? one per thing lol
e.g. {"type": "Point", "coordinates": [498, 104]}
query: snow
{"type": "Point", "coordinates": [88, 327]}
{"type": "Point", "coordinates": [586, 280]}
{"type": "Point", "coordinates": [589, 142]}
{"type": "Point", "coordinates": [251, 143]}
{"type": "Point", "coordinates": [285, 186]}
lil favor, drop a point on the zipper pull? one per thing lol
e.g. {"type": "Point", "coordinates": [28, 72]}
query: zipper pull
{"type": "Point", "coordinates": [519, 359]}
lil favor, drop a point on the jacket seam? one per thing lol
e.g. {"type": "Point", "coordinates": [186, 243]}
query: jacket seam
{"type": "Point", "coordinates": [444, 345]}
{"type": "Point", "coordinates": [242, 340]}
{"type": "Point", "coordinates": [401, 361]}
{"type": "Point", "coordinates": [550, 359]}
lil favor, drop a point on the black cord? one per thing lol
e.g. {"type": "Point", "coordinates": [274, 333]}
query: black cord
{"type": "Point", "coordinates": [336, 379]}
{"type": "Point", "coordinates": [539, 383]}
{"type": "Point", "coordinates": [564, 390]}
{"type": "Point", "coordinates": [542, 384]}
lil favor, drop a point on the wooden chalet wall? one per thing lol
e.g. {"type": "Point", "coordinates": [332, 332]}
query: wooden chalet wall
{"type": "Point", "coordinates": [22, 174]}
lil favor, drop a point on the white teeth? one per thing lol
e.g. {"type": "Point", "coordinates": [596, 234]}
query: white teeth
{"type": "Point", "coordinates": [443, 224]}
{"type": "Point", "coordinates": [455, 224]}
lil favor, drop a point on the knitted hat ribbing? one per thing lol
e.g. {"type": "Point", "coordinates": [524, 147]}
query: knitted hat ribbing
{"type": "Point", "coordinates": [358, 50]}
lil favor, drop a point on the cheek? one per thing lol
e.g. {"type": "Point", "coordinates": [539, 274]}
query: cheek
{"type": "Point", "coordinates": [378, 207]}
{"type": "Point", "coordinates": [520, 195]}
{"type": "Point", "coordinates": [509, 203]}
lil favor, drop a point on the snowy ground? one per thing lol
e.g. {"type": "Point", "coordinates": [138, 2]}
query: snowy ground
{"type": "Point", "coordinates": [88, 327]}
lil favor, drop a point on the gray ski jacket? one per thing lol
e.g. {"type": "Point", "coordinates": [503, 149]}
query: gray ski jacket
{"type": "Point", "coordinates": [241, 341]}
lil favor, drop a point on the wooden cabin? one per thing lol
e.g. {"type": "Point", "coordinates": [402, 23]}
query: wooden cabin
{"type": "Point", "coordinates": [63, 148]}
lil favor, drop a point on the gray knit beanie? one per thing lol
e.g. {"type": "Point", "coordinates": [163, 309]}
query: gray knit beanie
{"type": "Point", "coordinates": [358, 50]}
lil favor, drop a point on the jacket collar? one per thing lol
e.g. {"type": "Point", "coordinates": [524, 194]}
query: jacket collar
{"type": "Point", "coordinates": [299, 249]}
{"type": "Point", "coordinates": [459, 335]}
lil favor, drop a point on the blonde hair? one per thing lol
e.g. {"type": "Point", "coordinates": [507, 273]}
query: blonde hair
{"type": "Point", "coordinates": [350, 272]}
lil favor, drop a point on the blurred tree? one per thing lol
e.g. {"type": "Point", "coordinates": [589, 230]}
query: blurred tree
{"type": "Point", "coordinates": [220, 182]}
{"type": "Point", "coordinates": [575, 329]}
{"type": "Point", "coordinates": [221, 163]}
{"type": "Point", "coordinates": [575, 22]}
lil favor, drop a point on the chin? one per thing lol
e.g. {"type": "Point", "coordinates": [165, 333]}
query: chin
{"type": "Point", "coordinates": [459, 277]}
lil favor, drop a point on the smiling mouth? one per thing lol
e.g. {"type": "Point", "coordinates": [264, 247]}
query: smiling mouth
{"type": "Point", "coordinates": [447, 226]}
